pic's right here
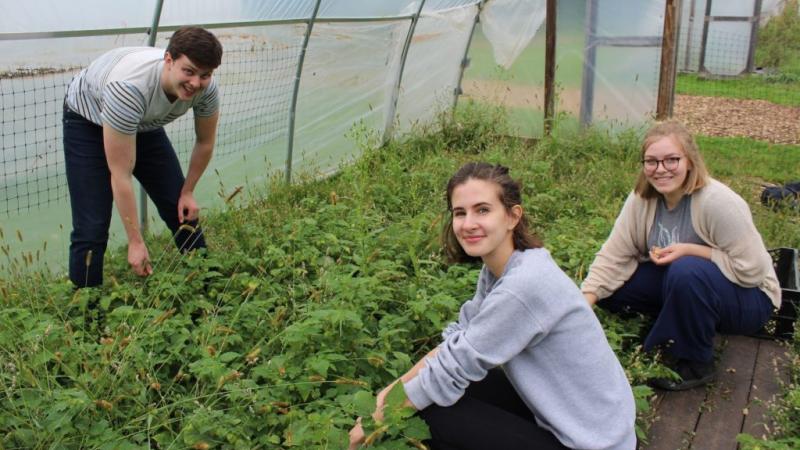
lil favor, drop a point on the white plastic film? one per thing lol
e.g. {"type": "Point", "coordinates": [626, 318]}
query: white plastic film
{"type": "Point", "coordinates": [31, 16]}
{"type": "Point", "coordinates": [626, 86]}
{"type": "Point", "coordinates": [367, 8]}
{"type": "Point", "coordinates": [623, 84]}
{"type": "Point", "coordinates": [177, 12]}
{"type": "Point", "coordinates": [739, 8]}
{"type": "Point", "coordinates": [510, 25]}
{"type": "Point", "coordinates": [344, 84]}
{"type": "Point", "coordinates": [690, 35]}
{"type": "Point", "coordinates": [433, 65]}
{"type": "Point", "coordinates": [727, 47]}
{"type": "Point", "coordinates": [617, 18]}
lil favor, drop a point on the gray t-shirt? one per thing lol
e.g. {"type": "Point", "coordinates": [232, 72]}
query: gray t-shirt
{"type": "Point", "coordinates": [673, 226]}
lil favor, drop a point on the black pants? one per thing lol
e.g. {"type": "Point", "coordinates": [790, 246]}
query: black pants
{"type": "Point", "coordinates": [89, 180]}
{"type": "Point", "coordinates": [490, 416]}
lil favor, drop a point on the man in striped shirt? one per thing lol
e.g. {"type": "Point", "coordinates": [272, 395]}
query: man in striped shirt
{"type": "Point", "coordinates": [114, 114]}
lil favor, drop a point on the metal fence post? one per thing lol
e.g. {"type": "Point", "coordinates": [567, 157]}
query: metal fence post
{"type": "Point", "coordinates": [751, 54]}
{"type": "Point", "coordinates": [465, 60]}
{"type": "Point", "coordinates": [388, 129]}
{"type": "Point", "coordinates": [151, 41]}
{"type": "Point", "coordinates": [293, 109]}
{"type": "Point", "coordinates": [701, 67]}
{"type": "Point", "coordinates": [687, 59]}
{"type": "Point", "coordinates": [589, 60]}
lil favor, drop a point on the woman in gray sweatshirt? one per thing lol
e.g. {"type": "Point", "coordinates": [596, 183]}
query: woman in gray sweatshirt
{"type": "Point", "coordinates": [527, 365]}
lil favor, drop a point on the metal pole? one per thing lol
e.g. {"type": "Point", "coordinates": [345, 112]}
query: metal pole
{"type": "Point", "coordinates": [465, 60]}
{"type": "Point", "coordinates": [666, 80]}
{"type": "Point", "coordinates": [389, 126]}
{"type": "Point", "coordinates": [753, 36]}
{"type": "Point", "coordinates": [296, 90]}
{"type": "Point", "coordinates": [589, 59]}
{"type": "Point", "coordinates": [151, 41]}
{"type": "Point", "coordinates": [550, 67]}
{"type": "Point", "coordinates": [687, 59]}
{"type": "Point", "coordinates": [704, 41]}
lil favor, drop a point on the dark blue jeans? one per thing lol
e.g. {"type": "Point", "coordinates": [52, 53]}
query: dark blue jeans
{"type": "Point", "coordinates": [157, 169]}
{"type": "Point", "coordinates": [691, 300]}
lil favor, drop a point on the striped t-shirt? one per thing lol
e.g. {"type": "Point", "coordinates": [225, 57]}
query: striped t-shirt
{"type": "Point", "coordinates": [123, 89]}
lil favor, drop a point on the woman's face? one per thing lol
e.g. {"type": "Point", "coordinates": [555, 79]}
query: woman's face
{"type": "Point", "coordinates": [666, 166]}
{"type": "Point", "coordinates": [481, 223]}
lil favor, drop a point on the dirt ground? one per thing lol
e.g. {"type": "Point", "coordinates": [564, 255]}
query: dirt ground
{"type": "Point", "coordinates": [757, 119]}
{"type": "Point", "coordinates": [714, 116]}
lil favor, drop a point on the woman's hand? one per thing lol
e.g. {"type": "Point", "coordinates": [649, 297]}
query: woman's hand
{"type": "Point", "coordinates": [668, 254]}
{"type": "Point", "coordinates": [356, 435]}
{"type": "Point", "coordinates": [380, 402]}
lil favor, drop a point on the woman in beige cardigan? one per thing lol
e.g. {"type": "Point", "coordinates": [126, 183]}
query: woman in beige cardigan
{"type": "Point", "coordinates": [684, 249]}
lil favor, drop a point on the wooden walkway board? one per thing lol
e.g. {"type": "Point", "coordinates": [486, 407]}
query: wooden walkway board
{"type": "Point", "coordinates": [710, 418]}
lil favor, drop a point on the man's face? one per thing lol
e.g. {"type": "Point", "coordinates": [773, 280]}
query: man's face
{"type": "Point", "coordinates": [182, 79]}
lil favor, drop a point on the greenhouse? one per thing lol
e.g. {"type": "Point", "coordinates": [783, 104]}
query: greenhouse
{"type": "Point", "coordinates": [340, 122]}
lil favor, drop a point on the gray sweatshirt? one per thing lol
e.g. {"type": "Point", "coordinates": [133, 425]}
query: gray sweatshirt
{"type": "Point", "coordinates": [534, 322]}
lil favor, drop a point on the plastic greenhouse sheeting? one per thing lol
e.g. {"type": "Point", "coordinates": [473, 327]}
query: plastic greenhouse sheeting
{"type": "Point", "coordinates": [510, 26]}
{"type": "Point", "coordinates": [355, 78]}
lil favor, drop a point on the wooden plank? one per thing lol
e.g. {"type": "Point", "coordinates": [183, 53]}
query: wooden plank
{"type": "Point", "coordinates": [770, 371]}
{"type": "Point", "coordinates": [550, 67]}
{"type": "Point", "coordinates": [723, 411]}
{"type": "Point", "coordinates": [676, 416]}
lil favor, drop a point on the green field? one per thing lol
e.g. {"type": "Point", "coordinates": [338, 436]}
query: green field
{"type": "Point", "coordinates": [312, 298]}
{"type": "Point", "coordinates": [754, 87]}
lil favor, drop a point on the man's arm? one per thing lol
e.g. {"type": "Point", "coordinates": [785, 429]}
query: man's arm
{"type": "Point", "coordinates": [120, 151]}
{"type": "Point", "coordinates": [206, 135]}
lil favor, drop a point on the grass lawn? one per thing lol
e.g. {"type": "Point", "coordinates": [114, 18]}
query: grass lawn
{"type": "Point", "coordinates": [745, 87]}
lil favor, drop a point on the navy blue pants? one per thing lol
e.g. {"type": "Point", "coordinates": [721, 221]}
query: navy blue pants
{"type": "Point", "coordinates": [490, 415]}
{"type": "Point", "coordinates": [691, 300]}
{"type": "Point", "coordinates": [157, 169]}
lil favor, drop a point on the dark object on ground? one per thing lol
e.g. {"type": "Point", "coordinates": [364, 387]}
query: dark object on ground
{"type": "Point", "coordinates": [782, 323]}
{"type": "Point", "coordinates": [777, 197]}
{"type": "Point", "coordinates": [693, 374]}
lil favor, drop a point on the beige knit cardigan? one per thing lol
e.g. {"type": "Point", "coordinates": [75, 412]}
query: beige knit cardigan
{"type": "Point", "coordinates": [719, 216]}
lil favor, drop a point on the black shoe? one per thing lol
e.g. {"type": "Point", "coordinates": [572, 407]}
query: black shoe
{"type": "Point", "coordinates": [693, 374]}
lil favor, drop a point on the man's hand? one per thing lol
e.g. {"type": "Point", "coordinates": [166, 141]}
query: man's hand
{"type": "Point", "coordinates": [139, 259]}
{"type": "Point", "coordinates": [187, 207]}
{"type": "Point", "coordinates": [591, 298]}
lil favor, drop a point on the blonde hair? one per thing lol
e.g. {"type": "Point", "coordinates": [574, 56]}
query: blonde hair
{"type": "Point", "coordinates": [697, 175]}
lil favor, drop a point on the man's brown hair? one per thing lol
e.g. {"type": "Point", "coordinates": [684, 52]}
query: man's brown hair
{"type": "Point", "coordinates": [198, 44]}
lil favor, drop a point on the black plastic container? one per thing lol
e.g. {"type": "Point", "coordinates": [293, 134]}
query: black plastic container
{"type": "Point", "coordinates": [781, 324]}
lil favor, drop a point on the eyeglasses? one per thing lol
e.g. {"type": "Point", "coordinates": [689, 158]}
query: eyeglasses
{"type": "Point", "coordinates": [651, 165]}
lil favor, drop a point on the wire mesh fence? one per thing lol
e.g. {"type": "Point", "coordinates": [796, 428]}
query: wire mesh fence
{"type": "Point", "coordinates": [255, 79]}
{"type": "Point", "coordinates": [718, 67]}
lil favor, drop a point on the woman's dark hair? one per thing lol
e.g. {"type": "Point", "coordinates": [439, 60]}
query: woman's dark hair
{"type": "Point", "coordinates": [509, 194]}
{"type": "Point", "coordinates": [198, 44]}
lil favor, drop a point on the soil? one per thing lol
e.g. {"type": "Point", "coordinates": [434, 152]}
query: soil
{"type": "Point", "coordinates": [757, 119]}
